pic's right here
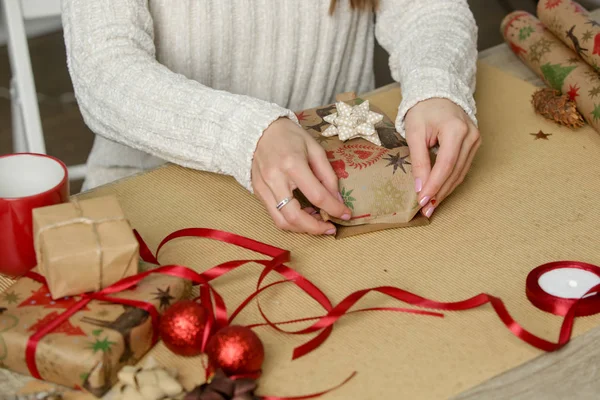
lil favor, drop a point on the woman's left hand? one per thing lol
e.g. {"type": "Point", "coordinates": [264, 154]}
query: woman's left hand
{"type": "Point", "coordinates": [439, 121]}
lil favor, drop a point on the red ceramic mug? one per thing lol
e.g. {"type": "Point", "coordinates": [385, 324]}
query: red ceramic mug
{"type": "Point", "coordinates": [27, 181]}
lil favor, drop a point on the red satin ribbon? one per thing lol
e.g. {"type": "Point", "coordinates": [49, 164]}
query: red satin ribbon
{"type": "Point", "coordinates": [279, 256]}
{"type": "Point", "coordinates": [324, 324]}
{"type": "Point", "coordinates": [559, 305]}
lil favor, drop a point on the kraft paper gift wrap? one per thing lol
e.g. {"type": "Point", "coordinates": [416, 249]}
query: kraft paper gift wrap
{"type": "Point", "coordinates": [560, 67]}
{"type": "Point", "coordinates": [572, 24]}
{"type": "Point", "coordinates": [89, 348]}
{"type": "Point", "coordinates": [525, 202]}
{"type": "Point", "coordinates": [84, 246]}
{"type": "Point", "coordinates": [376, 182]}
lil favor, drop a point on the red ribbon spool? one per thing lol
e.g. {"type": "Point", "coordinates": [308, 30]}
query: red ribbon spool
{"type": "Point", "coordinates": [545, 301]}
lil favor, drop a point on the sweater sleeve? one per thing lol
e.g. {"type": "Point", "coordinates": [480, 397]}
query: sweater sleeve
{"type": "Point", "coordinates": [127, 96]}
{"type": "Point", "coordinates": [433, 51]}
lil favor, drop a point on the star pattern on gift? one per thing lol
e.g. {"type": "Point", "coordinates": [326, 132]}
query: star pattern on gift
{"type": "Point", "coordinates": [592, 22]}
{"type": "Point", "coordinates": [541, 135]}
{"type": "Point", "coordinates": [593, 92]}
{"type": "Point", "coordinates": [397, 162]}
{"type": "Point", "coordinates": [587, 36]}
{"type": "Point", "coordinates": [525, 32]}
{"type": "Point", "coordinates": [573, 92]}
{"type": "Point", "coordinates": [103, 345]}
{"type": "Point", "coordinates": [347, 197]}
{"type": "Point", "coordinates": [11, 297]}
{"type": "Point", "coordinates": [596, 112]}
{"type": "Point", "coordinates": [350, 122]}
{"type": "Point", "coordinates": [301, 116]}
{"type": "Point", "coordinates": [164, 296]}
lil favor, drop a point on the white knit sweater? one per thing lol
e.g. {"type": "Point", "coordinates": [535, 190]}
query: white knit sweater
{"type": "Point", "coordinates": [196, 82]}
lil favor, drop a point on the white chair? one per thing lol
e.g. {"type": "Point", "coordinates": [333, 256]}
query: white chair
{"type": "Point", "coordinates": [27, 130]}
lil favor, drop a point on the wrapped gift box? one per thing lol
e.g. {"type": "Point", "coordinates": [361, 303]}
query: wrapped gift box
{"type": "Point", "coordinates": [376, 182]}
{"type": "Point", "coordinates": [84, 246]}
{"type": "Point", "coordinates": [88, 349]}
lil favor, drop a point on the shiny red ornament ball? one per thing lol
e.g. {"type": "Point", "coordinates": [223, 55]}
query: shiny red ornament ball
{"type": "Point", "coordinates": [182, 327]}
{"type": "Point", "coordinates": [236, 350]}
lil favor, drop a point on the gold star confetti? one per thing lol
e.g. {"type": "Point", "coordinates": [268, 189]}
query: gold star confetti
{"type": "Point", "coordinates": [541, 135]}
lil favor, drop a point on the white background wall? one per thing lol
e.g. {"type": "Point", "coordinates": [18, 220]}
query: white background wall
{"type": "Point", "coordinates": [34, 28]}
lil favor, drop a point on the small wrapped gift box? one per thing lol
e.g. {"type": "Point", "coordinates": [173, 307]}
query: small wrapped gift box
{"type": "Point", "coordinates": [88, 349]}
{"type": "Point", "coordinates": [375, 175]}
{"type": "Point", "coordinates": [84, 246]}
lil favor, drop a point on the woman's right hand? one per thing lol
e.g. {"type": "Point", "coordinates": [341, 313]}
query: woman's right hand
{"type": "Point", "coordinates": [288, 158]}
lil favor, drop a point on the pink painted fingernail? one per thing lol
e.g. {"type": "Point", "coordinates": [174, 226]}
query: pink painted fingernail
{"type": "Point", "coordinates": [424, 201]}
{"type": "Point", "coordinates": [340, 198]}
{"type": "Point", "coordinates": [418, 185]}
{"type": "Point", "coordinates": [330, 232]}
{"type": "Point", "coordinates": [346, 217]}
{"type": "Point", "coordinates": [429, 212]}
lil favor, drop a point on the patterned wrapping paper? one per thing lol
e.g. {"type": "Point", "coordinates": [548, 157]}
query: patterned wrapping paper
{"type": "Point", "coordinates": [560, 67]}
{"type": "Point", "coordinates": [376, 182]}
{"type": "Point", "coordinates": [89, 349]}
{"type": "Point", "coordinates": [572, 24]}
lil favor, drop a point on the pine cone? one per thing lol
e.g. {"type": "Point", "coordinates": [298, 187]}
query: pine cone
{"type": "Point", "coordinates": [556, 107]}
{"type": "Point", "coordinates": [223, 388]}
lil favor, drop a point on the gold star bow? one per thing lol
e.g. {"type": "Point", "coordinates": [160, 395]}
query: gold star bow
{"type": "Point", "coordinates": [351, 122]}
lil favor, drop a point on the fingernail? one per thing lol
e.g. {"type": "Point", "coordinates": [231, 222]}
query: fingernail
{"type": "Point", "coordinates": [309, 210]}
{"type": "Point", "coordinates": [330, 232]}
{"type": "Point", "coordinates": [346, 217]}
{"type": "Point", "coordinates": [418, 185]}
{"type": "Point", "coordinates": [340, 198]}
{"type": "Point", "coordinates": [429, 212]}
{"type": "Point", "coordinates": [424, 201]}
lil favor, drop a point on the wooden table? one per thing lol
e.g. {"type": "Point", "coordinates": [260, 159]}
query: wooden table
{"type": "Point", "coordinates": [543, 377]}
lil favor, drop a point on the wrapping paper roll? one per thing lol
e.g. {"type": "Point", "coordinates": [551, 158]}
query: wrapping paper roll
{"type": "Point", "coordinates": [572, 24]}
{"type": "Point", "coordinates": [559, 66]}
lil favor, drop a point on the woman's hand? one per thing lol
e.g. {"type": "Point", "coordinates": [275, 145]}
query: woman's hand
{"type": "Point", "coordinates": [288, 158]}
{"type": "Point", "coordinates": [439, 121]}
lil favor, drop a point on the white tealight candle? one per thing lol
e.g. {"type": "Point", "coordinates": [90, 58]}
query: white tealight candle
{"type": "Point", "coordinates": [568, 283]}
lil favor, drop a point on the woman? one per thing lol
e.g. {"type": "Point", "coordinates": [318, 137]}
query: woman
{"type": "Point", "coordinates": [210, 85]}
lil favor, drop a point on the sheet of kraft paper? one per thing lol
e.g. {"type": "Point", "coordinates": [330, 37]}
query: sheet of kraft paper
{"type": "Point", "coordinates": [526, 202]}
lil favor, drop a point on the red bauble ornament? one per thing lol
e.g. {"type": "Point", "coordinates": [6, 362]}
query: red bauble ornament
{"type": "Point", "coordinates": [182, 327]}
{"type": "Point", "coordinates": [236, 350]}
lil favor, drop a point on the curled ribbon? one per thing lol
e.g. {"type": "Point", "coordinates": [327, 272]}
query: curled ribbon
{"type": "Point", "coordinates": [218, 315]}
{"type": "Point", "coordinates": [325, 323]}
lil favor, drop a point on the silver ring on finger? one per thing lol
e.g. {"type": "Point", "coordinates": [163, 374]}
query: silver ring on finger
{"type": "Point", "coordinates": [283, 203]}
